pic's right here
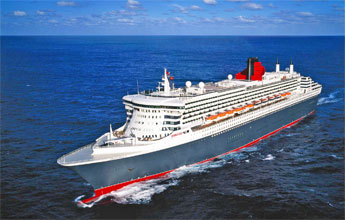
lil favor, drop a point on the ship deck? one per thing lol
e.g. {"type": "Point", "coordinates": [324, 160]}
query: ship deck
{"type": "Point", "coordinates": [84, 154]}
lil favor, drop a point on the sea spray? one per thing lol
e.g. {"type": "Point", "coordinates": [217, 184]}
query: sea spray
{"type": "Point", "coordinates": [331, 98]}
{"type": "Point", "coordinates": [142, 192]}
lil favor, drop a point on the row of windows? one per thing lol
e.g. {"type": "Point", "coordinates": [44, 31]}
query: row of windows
{"type": "Point", "coordinates": [171, 117]}
{"type": "Point", "coordinates": [201, 100]}
{"type": "Point", "coordinates": [148, 116]}
{"type": "Point", "coordinates": [171, 122]}
{"type": "Point", "coordinates": [220, 127]}
{"type": "Point", "coordinates": [196, 119]}
{"type": "Point", "coordinates": [227, 98]}
{"type": "Point", "coordinates": [234, 93]}
{"type": "Point", "coordinates": [222, 109]}
{"type": "Point", "coordinates": [160, 135]}
{"type": "Point", "coordinates": [154, 106]}
{"type": "Point", "coordinates": [226, 126]}
{"type": "Point", "coordinates": [163, 129]}
{"type": "Point", "coordinates": [213, 129]}
{"type": "Point", "coordinates": [170, 128]}
{"type": "Point", "coordinates": [214, 98]}
{"type": "Point", "coordinates": [153, 136]}
{"type": "Point", "coordinates": [155, 111]}
{"type": "Point", "coordinates": [242, 99]}
{"type": "Point", "coordinates": [314, 86]}
{"type": "Point", "coordinates": [164, 122]}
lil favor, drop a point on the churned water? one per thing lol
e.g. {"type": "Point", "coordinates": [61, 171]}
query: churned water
{"type": "Point", "coordinates": [60, 93]}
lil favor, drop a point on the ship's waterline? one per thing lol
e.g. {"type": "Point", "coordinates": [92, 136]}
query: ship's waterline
{"type": "Point", "coordinates": [197, 149]}
{"type": "Point", "coordinates": [173, 127]}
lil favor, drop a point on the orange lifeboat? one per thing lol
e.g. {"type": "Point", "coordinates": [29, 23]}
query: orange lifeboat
{"type": "Point", "coordinates": [222, 114]}
{"type": "Point", "coordinates": [250, 106]}
{"type": "Point", "coordinates": [284, 94]}
{"type": "Point", "coordinates": [288, 93]}
{"type": "Point", "coordinates": [229, 112]}
{"type": "Point", "coordinates": [212, 117]}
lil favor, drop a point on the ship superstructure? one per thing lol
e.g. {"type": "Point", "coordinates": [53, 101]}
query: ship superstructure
{"type": "Point", "coordinates": [172, 127]}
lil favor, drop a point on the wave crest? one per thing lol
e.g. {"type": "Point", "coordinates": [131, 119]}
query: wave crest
{"type": "Point", "coordinates": [331, 98]}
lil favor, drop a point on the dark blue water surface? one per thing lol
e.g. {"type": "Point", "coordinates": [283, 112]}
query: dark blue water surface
{"type": "Point", "coordinates": [59, 93]}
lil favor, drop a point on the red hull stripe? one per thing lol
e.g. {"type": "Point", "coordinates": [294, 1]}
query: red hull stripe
{"type": "Point", "coordinates": [108, 189]}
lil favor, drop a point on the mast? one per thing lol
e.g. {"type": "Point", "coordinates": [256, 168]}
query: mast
{"type": "Point", "coordinates": [166, 82]}
{"type": "Point", "coordinates": [291, 66]}
{"type": "Point", "coordinates": [111, 136]}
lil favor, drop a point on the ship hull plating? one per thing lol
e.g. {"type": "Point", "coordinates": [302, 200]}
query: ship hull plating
{"type": "Point", "coordinates": [109, 173]}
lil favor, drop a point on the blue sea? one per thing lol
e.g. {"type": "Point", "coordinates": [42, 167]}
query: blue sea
{"type": "Point", "coordinates": [60, 93]}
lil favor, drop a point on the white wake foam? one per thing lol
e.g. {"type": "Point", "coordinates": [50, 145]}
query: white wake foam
{"type": "Point", "coordinates": [142, 192]}
{"type": "Point", "coordinates": [269, 157]}
{"type": "Point", "coordinates": [291, 134]}
{"type": "Point", "coordinates": [80, 204]}
{"type": "Point", "coordinates": [331, 98]}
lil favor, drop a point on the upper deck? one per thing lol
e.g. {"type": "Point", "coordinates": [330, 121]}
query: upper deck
{"type": "Point", "coordinates": [177, 97]}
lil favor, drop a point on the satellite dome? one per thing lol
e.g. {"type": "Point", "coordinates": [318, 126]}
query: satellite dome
{"type": "Point", "coordinates": [229, 77]}
{"type": "Point", "coordinates": [201, 85]}
{"type": "Point", "coordinates": [188, 84]}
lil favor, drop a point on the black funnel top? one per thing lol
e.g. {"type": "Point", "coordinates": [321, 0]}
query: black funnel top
{"type": "Point", "coordinates": [250, 66]}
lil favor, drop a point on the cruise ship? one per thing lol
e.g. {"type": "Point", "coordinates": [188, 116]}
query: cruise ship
{"type": "Point", "coordinates": [173, 127]}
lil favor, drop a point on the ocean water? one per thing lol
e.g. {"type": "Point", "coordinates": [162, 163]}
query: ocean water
{"type": "Point", "coordinates": [60, 93]}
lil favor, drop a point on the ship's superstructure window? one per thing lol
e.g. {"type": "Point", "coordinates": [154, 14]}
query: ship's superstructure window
{"type": "Point", "coordinates": [171, 117]}
{"type": "Point", "coordinates": [171, 122]}
{"type": "Point", "coordinates": [153, 106]}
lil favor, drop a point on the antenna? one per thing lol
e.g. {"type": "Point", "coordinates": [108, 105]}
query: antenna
{"type": "Point", "coordinates": [138, 87]}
